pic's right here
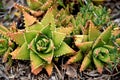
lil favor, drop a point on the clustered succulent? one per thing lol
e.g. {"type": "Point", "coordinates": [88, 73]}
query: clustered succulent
{"type": "Point", "coordinates": [46, 28]}
{"type": "Point", "coordinates": [98, 49]}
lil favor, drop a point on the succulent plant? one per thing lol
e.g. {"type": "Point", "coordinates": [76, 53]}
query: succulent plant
{"type": "Point", "coordinates": [40, 42]}
{"type": "Point", "coordinates": [97, 14]}
{"type": "Point", "coordinates": [39, 4]}
{"type": "Point", "coordinates": [6, 45]}
{"type": "Point", "coordinates": [97, 46]}
{"type": "Point", "coordinates": [46, 28]}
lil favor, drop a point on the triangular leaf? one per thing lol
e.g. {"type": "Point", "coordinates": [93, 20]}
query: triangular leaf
{"type": "Point", "coordinates": [49, 68]}
{"type": "Point", "coordinates": [47, 31]}
{"type": "Point", "coordinates": [37, 27]}
{"type": "Point", "coordinates": [18, 37]}
{"type": "Point", "coordinates": [64, 49]}
{"type": "Point", "coordinates": [34, 13]}
{"type": "Point", "coordinates": [30, 35]}
{"type": "Point", "coordinates": [47, 56]}
{"type": "Point", "coordinates": [99, 65]}
{"type": "Point", "coordinates": [21, 53]}
{"type": "Point", "coordinates": [49, 19]}
{"type": "Point", "coordinates": [84, 46]}
{"type": "Point", "coordinates": [86, 61]}
{"type": "Point", "coordinates": [5, 56]}
{"type": "Point", "coordinates": [75, 58]}
{"type": "Point", "coordinates": [93, 32]}
{"type": "Point", "coordinates": [36, 63]}
{"type": "Point", "coordinates": [46, 5]}
{"type": "Point", "coordinates": [37, 70]}
{"type": "Point", "coordinates": [28, 19]}
{"type": "Point", "coordinates": [58, 38]}
{"type": "Point", "coordinates": [67, 30]}
{"type": "Point", "coordinates": [103, 38]}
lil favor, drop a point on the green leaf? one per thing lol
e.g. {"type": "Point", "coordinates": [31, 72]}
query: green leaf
{"type": "Point", "coordinates": [46, 5]}
{"type": "Point", "coordinates": [21, 53]}
{"type": "Point", "coordinates": [93, 32]}
{"type": "Point", "coordinates": [86, 61]}
{"type": "Point", "coordinates": [75, 58]}
{"type": "Point", "coordinates": [18, 37]}
{"type": "Point", "coordinates": [47, 56]}
{"type": "Point", "coordinates": [99, 65]}
{"type": "Point", "coordinates": [36, 61]}
{"type": "Point", "coordinates": [84, 46]}
{"type": "Point", "coordinates": [47, 31]}
{"type": "Point", "coordinates": [49, 19]}
{"type": "Point", "coordinates": [37, 27]}
{"type": "Point", "coordinates": [103, 38]}
{"type": "Point", "coordinates": [67, 30]}
{"type": "Point", "coordinates": [64, 49]}
{"type": "Point", "coordinates": [30, 35]}
{"type": "Point", "coordinates": [58, 38]}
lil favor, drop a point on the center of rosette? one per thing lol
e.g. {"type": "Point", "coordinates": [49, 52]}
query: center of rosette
{"type": "Point", "coordinates": [102, 54]}
{"type": "Point", "coordinates": [44, 44]}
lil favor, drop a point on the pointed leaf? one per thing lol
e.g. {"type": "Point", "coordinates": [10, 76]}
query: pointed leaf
{"type": "Point", "coordinates": [18, 37]}
{"type": "Point", "coordinates": [34, 13]}
{"type": "Point", "coordinates": [80, 38]}
{"type": "Point", "coordinates": [21, 53]}
{"type": "Point", "coordinates": [49, 68]}
{"type": "Point", "coordinates": [64, 49]}
{"type": "Point", "coordinates": [103, 38]}
{"type": "Point", "coordinates": [49, 19]}
{"type": "Point", "coordinates": [84, 46]}
{"type": "Point", "coordinates": [99, 65]}
{"type": "Point", "coordinates": [93, 32]}
{"type": "Point", "coordinates": [36, 63]}
{"type": "Point", "coordinates": [58, 38]}
{"type": "Point", "coordinates": [5, 56]}
{"type": "Point", "coordinates": [47, 31]}
{"type": "Point", "coordinates": [37, 27]}
{"type": "Point", "coordinates": [28, 19]}
{"type": "Point", "coordinates": [75, 58]}
{"type": "Point", "coordinates": [47, 56]}
{"type": "Point", "coordinates": [67, 30]}
{"type": "Point", "coordinates": [46, 5]}
{"type": "Point", "coordinates": [37, 70]}
{"type": "Point", "coordinates": [30, 35]}
{"type": "Point", "coordinates": [86, 61]}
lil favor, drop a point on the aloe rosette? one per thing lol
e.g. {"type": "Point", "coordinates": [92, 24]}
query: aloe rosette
{"type": "Point", "coordinates": [41, 43]}
{"type": "Point", "coordinates": [3, 39]}
{"type": "Point", "coordinates": [97, 46]}
{"type": "Point", "coordinates": [6, 45]}
{"type": "Point", "coordinates": [3, 44]}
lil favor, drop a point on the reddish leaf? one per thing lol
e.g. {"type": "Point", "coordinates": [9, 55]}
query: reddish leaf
{"type": "Point", "coordinates": [49, 68]}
